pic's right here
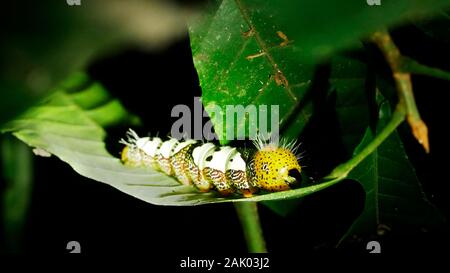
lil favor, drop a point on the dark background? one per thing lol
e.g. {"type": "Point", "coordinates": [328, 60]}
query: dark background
{"type": "Point", "coordinates": [66, 206]}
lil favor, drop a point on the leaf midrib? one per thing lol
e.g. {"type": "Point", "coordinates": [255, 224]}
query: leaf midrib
{"type": "Point", "coordinates": [263, 46]}
{"type": "Point", "coordinates": [271, 60]}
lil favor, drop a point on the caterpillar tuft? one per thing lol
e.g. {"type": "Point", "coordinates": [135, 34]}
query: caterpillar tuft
{"type": "Point", "coordinates": [272, 166]}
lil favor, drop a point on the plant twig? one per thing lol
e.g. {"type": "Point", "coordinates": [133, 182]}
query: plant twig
{"type": "Point", "coordinates": [341, 171]}
{"type": "Point", "coordinates": [247, 211]}
{"type": "Point", "coordinates": [404, 87]}
{"type": "Point", "coordinates": [248, 215]}
{"type": "Point", "coordinates": [412, 66]}
{"type": "Point", "coordinates": [17, 165]}
{"type": "Point", "coordinates": [406, 108]}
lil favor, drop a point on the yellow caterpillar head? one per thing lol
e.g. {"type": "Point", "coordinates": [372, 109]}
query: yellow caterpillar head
{"type": "Point", "coordinates": [275, 166]}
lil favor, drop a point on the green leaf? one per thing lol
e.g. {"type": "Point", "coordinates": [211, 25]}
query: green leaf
{"type": "Point", "coordinates": [410, 65]}
{"type": "Point", "coordinates": [254, 52]}
{"type": "Point", "coordinates": [394, 196]}
{"type": "Point", "coordinates": [240, 61]}
{"type": "Point", "coordinates": [47, 41]}
{"type": "Point", "coordinates": [320, 28]}
{"type": "Point", "coordinates": [349, 84]}
{"type": "Point", "coordinates": [64, 126]}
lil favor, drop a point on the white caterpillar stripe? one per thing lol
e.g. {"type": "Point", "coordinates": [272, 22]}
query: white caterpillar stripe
{"type": "Point", "coordinates": [207, 166]}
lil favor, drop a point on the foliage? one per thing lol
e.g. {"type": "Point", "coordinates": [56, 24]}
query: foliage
{"type": "Point", "coordinates": [265, 53]}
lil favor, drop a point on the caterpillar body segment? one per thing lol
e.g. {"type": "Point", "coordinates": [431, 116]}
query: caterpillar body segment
{"type": "Point", "coordinates": [200, 155]}
{"type": "Point", "coordinates": [208, 167]}
{"type": "Point", "coordinates": [215, 170]}
{"type": "Point", "coordinates": [164, 155]}
{"type": "Point", "coordinates": [181, 160]}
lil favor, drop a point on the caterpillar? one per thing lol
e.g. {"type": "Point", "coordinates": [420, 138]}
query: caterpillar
{"type": "Point", "coordinates": [227, 170]}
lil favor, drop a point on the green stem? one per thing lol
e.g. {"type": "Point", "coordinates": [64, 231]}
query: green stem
{"type": "Point", "coordinates": [248, 215]}
{"type": "Point", "coordinates": [412, 66]}
{"type": "Point", "coordinates": [404, 86]}
{"type": "Point", "coordinates": [344, 169]}
{"type": "Point", "coordinates": [17, 165]}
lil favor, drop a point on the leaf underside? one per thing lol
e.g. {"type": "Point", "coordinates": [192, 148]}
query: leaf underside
{"type": "Point", "coordinates": [245, 53]}
{"type": "Point", "coordinates": [67, 126]}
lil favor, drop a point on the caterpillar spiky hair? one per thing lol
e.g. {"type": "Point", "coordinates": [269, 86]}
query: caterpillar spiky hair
{"type": "Point", "coordinates": [273, 166]}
